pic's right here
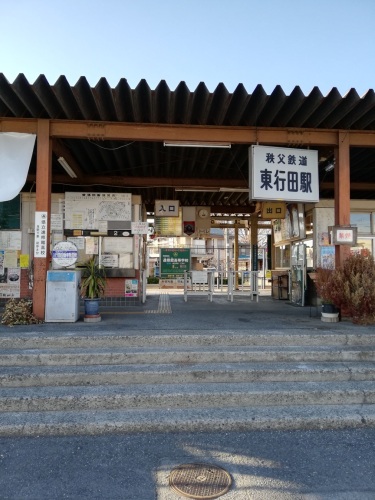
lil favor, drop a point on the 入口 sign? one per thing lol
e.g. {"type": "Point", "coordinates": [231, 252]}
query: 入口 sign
{"type": "Point", "coordinates": [167, 208]}
{"type": "Point", "coordinates": [283, 174]}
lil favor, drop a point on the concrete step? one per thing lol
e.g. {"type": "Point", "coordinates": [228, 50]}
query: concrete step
{"type": "Point", "coordinates": [214, 395]}
{"type": "Point", "coordinates": [189, 420]}
{"type": "Point", "coordinates": [165, 355]}
{"type": "Point", "coordinates": [188, 338]}
{"type": "Point", "coordinates": [75, 383]}
{"type": "Point", "coordinates": [26, 376]}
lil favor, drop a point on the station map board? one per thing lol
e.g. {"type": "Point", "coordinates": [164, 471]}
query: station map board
{"type": "Point", "coordinates": [91, 210]}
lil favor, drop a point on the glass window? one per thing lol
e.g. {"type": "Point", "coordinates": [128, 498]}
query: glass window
{"type": "Point", "coordinates": [282, 256]}
{"type": "Point", "coordinates": [364, 246]}
{"type": "Point", "coordinates": [362, 221]}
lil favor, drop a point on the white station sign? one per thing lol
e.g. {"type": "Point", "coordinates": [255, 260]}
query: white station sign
{"type": "Point", "coordinates": [65, 253]}
{"type": "Point", "coordinates": [283, 174]}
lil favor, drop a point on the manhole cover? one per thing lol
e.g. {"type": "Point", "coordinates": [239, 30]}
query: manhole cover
{"type": "Point", "coordinates": [200, 481]}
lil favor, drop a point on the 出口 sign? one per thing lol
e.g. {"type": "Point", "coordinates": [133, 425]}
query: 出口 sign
{"type": "Point", "coordinates": [283, 174]}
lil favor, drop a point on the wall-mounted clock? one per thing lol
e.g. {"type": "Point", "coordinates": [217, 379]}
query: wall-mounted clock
{"type": "Point", "coordinates": [203, 213]}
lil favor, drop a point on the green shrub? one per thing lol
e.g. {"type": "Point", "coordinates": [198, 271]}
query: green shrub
{"type": "Point", "coordinates": [152, 280]}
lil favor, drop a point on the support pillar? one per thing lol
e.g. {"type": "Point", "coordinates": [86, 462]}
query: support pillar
{"type": "Point", "coordinates": [342, 192]}
{"type": "Point", "coordinates": [236, 254]}
{"type": "Point", "coordinates": [254, 238]}
{"type": "Point", "coordinates": [43, 204]}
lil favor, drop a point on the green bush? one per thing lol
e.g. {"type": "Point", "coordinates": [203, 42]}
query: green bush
{"type": "Point", "coordinates": [152, 280]}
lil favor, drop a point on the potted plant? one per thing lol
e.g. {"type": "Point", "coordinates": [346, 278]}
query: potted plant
{"type": "Point", "coordinates": [325, 286]}
{"type": "Point", "coordinates": [93, 285]}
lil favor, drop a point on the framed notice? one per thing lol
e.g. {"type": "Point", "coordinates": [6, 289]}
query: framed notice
{"type": "Point", "coordinates": [344, 235]}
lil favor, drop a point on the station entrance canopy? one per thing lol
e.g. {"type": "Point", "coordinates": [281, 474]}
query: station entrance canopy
{"type": "Point", "coordinates": [116, 139]}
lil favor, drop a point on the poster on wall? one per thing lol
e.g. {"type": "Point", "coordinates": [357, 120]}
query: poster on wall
{"type": "Point", "coordinates": [327, 257]}
{"type": "Point", "coordinates": [10, 280]}
{"type": "Point", "coordinates": [10, 240]}
{"type": "Point", "coordinates": [131, 288]}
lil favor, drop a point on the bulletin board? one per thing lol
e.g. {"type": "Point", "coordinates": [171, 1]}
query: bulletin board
{"type": "Point", "coordinates": [90, 210]}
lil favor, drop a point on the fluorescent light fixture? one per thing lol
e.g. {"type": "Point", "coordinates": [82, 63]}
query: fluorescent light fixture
{"type": "Point", "coordinates": [192, 144]}
{"type": "Point", "coordinates": [68, 169]}
{"type": "Point", "coordinates": [198, 190]}
{"type": "Point", "coordinates": [213, 190]}
{"type": "Point", "coordinates": [329, 167]}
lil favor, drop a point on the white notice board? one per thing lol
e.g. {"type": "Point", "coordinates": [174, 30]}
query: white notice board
{"type": "Point", "coordinates": [89, 210]}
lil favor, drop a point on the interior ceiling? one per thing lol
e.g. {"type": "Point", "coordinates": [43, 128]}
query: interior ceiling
{"type": "Point", "coordinates": [195, 176]}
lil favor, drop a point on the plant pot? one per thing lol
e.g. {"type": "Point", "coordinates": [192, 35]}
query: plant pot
{"type": "Point", "coordinates": [92, 307]}
{"type": "Point", "coordinates": [329, 309]}
{"type": "Point", "coordinates": [330, 313]}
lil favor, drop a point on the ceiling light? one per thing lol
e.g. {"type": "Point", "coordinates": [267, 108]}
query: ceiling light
{"type": "Point", "coordinates": [329, 167]}
{"type": "Point", "coordinates": [68, 169]}
{"type": "Point", "coordinates": [198, 190]}
{"type": "Point", "coordinates": [192, 144]}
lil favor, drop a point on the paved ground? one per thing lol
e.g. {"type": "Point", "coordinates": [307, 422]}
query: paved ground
{"type": "Point", "coordinates": [171, 312]}
{"type": "Point", "coordinates": [313, 465]}
{"type": "Point", "coordinates": [268, 465]}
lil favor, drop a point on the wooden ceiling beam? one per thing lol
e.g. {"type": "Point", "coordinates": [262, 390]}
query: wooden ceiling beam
{"type": "Point", "coordinates": [80, 129]}
{"type": "Point", "coordinates": [354, 186]}
{"type": "Point", "coordinates": [140, 182]}
{"type": "Point", "coordinates": [194, 133]}
{"type": "Point", "coordinates": [192, 183]}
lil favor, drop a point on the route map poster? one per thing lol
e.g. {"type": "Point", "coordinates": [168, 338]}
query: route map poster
{"type": "Point", "coordinates": [89, 210]}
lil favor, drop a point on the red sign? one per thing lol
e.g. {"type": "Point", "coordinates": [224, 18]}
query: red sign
{"type": "Point", "coordinates": [189, 227]}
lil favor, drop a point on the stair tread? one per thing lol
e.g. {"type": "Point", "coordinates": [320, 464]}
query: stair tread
{"type": "Point", "coordinates": [153, 420]}
{"type": "Point", "coordinates": [197, 388]}
{"type": "Point", "coordinates": [184, 367]}
{"type": "Point", "coordinates": [176, 349]}
{"type": "Point", "coordinates": [186, 337]}
{"type": "Point", "coordinates": [93, 383]}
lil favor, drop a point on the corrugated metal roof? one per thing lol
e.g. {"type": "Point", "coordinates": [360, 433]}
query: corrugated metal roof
{"type": "Point", "coordinates": [162, 105]}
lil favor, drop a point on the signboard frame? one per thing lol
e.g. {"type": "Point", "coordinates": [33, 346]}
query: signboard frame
{"type": "Point", "coordinates": [283, 174]}
{"type": "Point", "coordinates": [174, 262]}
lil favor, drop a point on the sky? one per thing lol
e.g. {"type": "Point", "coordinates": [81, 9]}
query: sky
{"type": "Point", "coordinates": [305, 43]}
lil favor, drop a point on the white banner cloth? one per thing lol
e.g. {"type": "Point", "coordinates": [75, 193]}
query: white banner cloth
{"type": "Point", "coordinates": [15, 156]}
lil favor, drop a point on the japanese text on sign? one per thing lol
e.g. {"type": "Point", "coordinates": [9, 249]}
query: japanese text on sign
{"type": "Point", "coordinates": [283, 174]}
{"type": "Point", "coordinates": [174, 262]}
{"type": "Point", "coordinates": [344, 235]}
{"type": "Point", "coordinates": [40, 242]}
{"type": "Point", "coordinates": [167, 208]}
